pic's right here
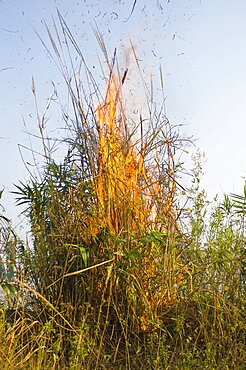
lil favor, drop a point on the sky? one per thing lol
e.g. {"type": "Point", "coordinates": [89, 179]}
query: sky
{"type": "Point", "coordinates": [199, 44]}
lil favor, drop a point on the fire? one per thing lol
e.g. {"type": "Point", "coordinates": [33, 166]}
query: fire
{"type": "Point", "coordinates": [117, 183]}
{"type": "Point", "coordinates": [130, 195]}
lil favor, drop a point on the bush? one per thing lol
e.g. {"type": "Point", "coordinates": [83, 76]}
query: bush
{"type": "Point", "coordinates": [120, 275]}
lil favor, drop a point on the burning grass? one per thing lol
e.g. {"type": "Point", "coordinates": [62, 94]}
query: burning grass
{"type": "Point", "coordinates": [120, 275]}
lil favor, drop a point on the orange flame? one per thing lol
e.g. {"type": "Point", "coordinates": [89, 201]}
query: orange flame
{"type": "Point", "coordinates": [127, 191]}
{"type": "Point", "coordinates": [117, 182]}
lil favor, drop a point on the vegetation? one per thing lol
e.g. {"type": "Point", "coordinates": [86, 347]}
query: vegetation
{"type": "Point", "coordinates": [127, 268]}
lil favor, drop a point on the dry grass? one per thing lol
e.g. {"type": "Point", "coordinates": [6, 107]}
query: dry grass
{"type": "Point", "coordinates": [119, 275]}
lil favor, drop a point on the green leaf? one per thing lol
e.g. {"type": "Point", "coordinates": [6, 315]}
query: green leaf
{"type": "Point", "coordinates": [134, 253]}
{"type": "Point", "coordinates": [239, 202]}
{"type": "Point", "coordinates": [84, 255]}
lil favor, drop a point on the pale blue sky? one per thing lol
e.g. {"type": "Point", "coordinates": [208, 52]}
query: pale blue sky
{"type": "Point", "coordinates": [201, 45]}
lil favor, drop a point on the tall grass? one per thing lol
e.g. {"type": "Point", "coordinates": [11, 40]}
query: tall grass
{"type": "Point", "coordinates": [120, 275]}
